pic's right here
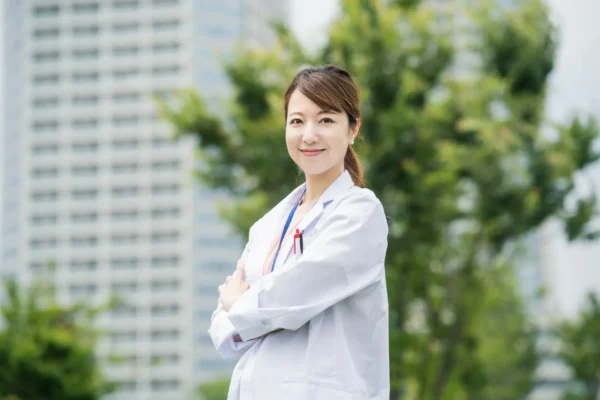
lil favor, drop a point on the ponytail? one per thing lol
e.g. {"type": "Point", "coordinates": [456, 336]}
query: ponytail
{"type": "Point", "coordinates": [352, 164]}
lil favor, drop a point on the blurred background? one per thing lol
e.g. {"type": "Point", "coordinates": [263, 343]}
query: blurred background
{"type": "Point", "coordinates": [138, 140]}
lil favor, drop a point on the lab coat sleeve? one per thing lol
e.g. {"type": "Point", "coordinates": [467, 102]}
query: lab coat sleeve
{"type": "Point", "coordinates": [346, 256]}
{"type": "Point", "coordinates": [221, 330]}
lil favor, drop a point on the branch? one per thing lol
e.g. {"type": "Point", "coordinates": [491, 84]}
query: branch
{"type": "Point", "coordinates": [456, 332]}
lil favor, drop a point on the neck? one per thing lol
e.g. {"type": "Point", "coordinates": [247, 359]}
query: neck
{"type": "Point", "coordinates": [317, 184]}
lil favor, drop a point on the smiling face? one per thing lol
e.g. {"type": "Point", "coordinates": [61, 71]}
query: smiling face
{"type": "Point", "coordinates": [317, 139]}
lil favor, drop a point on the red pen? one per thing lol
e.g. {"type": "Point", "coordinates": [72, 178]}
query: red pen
{"type": "Point", "coordinates": [296, 236]}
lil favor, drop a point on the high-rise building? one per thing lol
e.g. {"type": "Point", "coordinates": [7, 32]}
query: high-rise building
{"type": "Point", "coordinates": [94, 184]}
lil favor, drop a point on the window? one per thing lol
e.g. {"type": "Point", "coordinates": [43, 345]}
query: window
{"type": "Point", "coordinates": [164, 310]}
{"type": "Point", "coordinates": [169, 47]}
{"type": "Point", "coordinates": [46, 79]}
{"type": "Point", "coordinates": [124, 192]}
{"type": "Point", "coordinates": [165, 70]}
{"type": "Point", "coordinates": [126, 386]}
{"type": "Point", "coordinates": [41, 127]}
{"type": "Point", "coordinates": [160, 385]}
{"type": "Point", "coordinates": [45, 102]}
{"type": "Point", "coordinates": [83, 77]}
{"type": "Point", "coordinates": [124, 263]}
{"type": "Point", "coordinates": [165, 25]}
{"type": "Point", "coordinates": [168, 165]}
{"type": "Point", "coordinates": [165, 262]}
{"type": "Point", "coordinates": [85, 54]}
{"type": "Point", "coordinates": [85, 30]}
{"type": "Point", "coordinates": [125, 215]}
{"type": "Point", "coordinates": [166, 334]}
{"type": "Point", "coordinates": [84, 194]}
{"type": "Point", "coordinates": [46, 33]}
{"type": "Point", "coordinates": [46, 56]}
{"type": "Point", "coordinates": [85, 8]}
{"type": "Point", "coordinates": [40, 267]}
{"type": "Point", "coordinates": [162, 213]}
{"type": "Point", "coordinates": [122, 120]}
{"type": "Point", "coordinates": [124, 311]}
{"type": "Point", "coordinates": [84, 217]}
{"type": "Point", "coordinates": [126, 73]}
{"type": "Point", "coordinates": [90, 147]}
{"type": "Point", "coordinates": [125, 144]}
{"type": "Point", "coordinates": [165, 286]}
{"type": "Point", "coordinates": [127, 27]}
{"type": "Point", "coordinates": [82, 124]}
{"type": "Point", "coordinates": [83, 265]}
{"type": "Point", "coordinates": [84, 241]}
{"type": "Point", "coordinates": [43, 243]}
{"type": "Point", "coordinates": [84, 170]}
{"type": "Point", "coordinates": [45, 149]}
{"type": "Point", "coordinates": [82, 289]}
{"type": "Point", "coordinates": [124, 287]}
{"type": "Point", "coordinates": [45, 172]}
{"type": "Point", "coordinates": [126, 97]}
{"type": "Point", "coordinates": [164, 2]}
{"type": "Point", "coordinates": [125, 168]}
{"type": "Point", "coordinates": [127, 238]}
{"type": "Point", "coordinates": [165, 189]}
{"type": "Point", "coordinates": [44, 220]}
{"type": "Point", "coordinates": [165, 237]}
{"type": "Point", "coordinates": [85, 100]}
{"type": "Point", "coordinates": [44, 197]}
{"type": "Point", "coordinates": [126, 4]}
{"type": "Point", "coordinates": [123, 336]}
{"type": "Point", "coordinates": [46, 11]}
{"type": "Point", "coordinates": [163, 142]}
{"type": "Point", "coordinates": [164, 359]}
{"type": "Point", "coordinates": [125, 51]}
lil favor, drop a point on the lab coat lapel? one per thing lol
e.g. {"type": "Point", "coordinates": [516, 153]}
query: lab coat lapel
{"type": "Point", "coordinates": [338, 187]}
{"type": "Point", "coordinates": [271, 228]}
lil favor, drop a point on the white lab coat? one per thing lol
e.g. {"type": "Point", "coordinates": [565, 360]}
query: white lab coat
{"type": "Point", "coordinates": [331, 302]}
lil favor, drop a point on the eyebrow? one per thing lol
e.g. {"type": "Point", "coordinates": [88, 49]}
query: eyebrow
{"type": "Point", "coordinates": [330, 111]}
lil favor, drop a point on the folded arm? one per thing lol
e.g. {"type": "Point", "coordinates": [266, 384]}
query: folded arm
{"type": "Point", "coordinates": [346, 257]}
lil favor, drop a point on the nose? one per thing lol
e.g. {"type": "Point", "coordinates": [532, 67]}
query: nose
{"type": "Point", "coordinates": [310, 134]}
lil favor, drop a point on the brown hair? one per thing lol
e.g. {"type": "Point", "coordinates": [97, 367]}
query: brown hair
{"type": "Point", "coordinates": [331, 88]}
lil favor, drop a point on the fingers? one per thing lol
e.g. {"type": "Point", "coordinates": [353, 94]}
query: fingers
{"type": "Point", "coordinates": [240, 273]}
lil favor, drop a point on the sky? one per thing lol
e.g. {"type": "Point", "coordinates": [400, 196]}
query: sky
{"type": "Point", "coordinates": [575, 87]}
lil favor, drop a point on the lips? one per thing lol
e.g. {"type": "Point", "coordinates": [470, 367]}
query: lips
{"type": "Point", "coordinates": [312, 152]}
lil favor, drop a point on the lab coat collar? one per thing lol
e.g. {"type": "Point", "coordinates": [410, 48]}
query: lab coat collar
{"type": "Point", "coordinates": [338, 187]}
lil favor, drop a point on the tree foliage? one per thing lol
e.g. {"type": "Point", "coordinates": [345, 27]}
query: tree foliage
{"type": "Point", "coordinates": [579, 349]}
{"type": "Point", "coordinates": [457, 147]}
{"type": "Point", "coordinates": [47, 351]}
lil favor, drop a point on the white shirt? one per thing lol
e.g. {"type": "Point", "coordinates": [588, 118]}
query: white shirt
{"type": "Point", "coordinates": [331, 302]}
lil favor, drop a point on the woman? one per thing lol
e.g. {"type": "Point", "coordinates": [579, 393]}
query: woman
{"type": "Point", "coordinates": [306, 311]}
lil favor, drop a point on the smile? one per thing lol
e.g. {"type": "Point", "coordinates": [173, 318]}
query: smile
{"type": "Point", "coordinates": [312, 153]}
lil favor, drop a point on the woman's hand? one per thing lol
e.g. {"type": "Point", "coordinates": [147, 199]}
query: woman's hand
{"type": "Point", "coordinates": [234, 287]}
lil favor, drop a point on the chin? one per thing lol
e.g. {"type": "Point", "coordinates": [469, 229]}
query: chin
{"type": "Point", "coordinates": [314, 170]}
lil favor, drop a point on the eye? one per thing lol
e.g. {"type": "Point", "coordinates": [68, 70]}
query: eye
{"type": "Point", "coordinates": [295, 121]}
{"type": "Point", "coordinates": [327, 120]}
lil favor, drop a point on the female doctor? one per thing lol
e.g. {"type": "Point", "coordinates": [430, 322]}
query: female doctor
{"type": "Point", "coordinates": [306, 311]}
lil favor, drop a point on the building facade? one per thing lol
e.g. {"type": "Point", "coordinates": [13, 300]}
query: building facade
{"type": "Point", "coordinates": [97, 197]}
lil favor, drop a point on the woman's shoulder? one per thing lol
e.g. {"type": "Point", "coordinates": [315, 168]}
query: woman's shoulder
{"type": "Point", "coordinates": [361, 195]}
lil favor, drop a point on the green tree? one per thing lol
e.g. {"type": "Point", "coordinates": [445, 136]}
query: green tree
{"type": "Point", "coordinates": [214, 390]}
{"type": "Point", "coordinates": [579, 349]}
{"type": "Point", "coordinates": [457, 147]}
{"type": "Point", "coordinates": [47, 351]}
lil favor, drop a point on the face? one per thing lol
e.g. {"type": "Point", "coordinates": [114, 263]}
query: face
{"type": "Point", "coordinates": [317, 139]}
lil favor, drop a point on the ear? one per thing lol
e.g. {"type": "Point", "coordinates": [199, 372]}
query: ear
{"type": "Point", "coordinates": [355, 129]}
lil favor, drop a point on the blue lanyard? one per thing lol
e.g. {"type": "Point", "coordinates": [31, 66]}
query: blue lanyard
{"type": "Point", "coordinates": [285, 228]}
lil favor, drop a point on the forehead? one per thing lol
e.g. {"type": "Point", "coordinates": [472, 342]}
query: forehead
{"type": "Point", "coordinates": [300, 103]}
